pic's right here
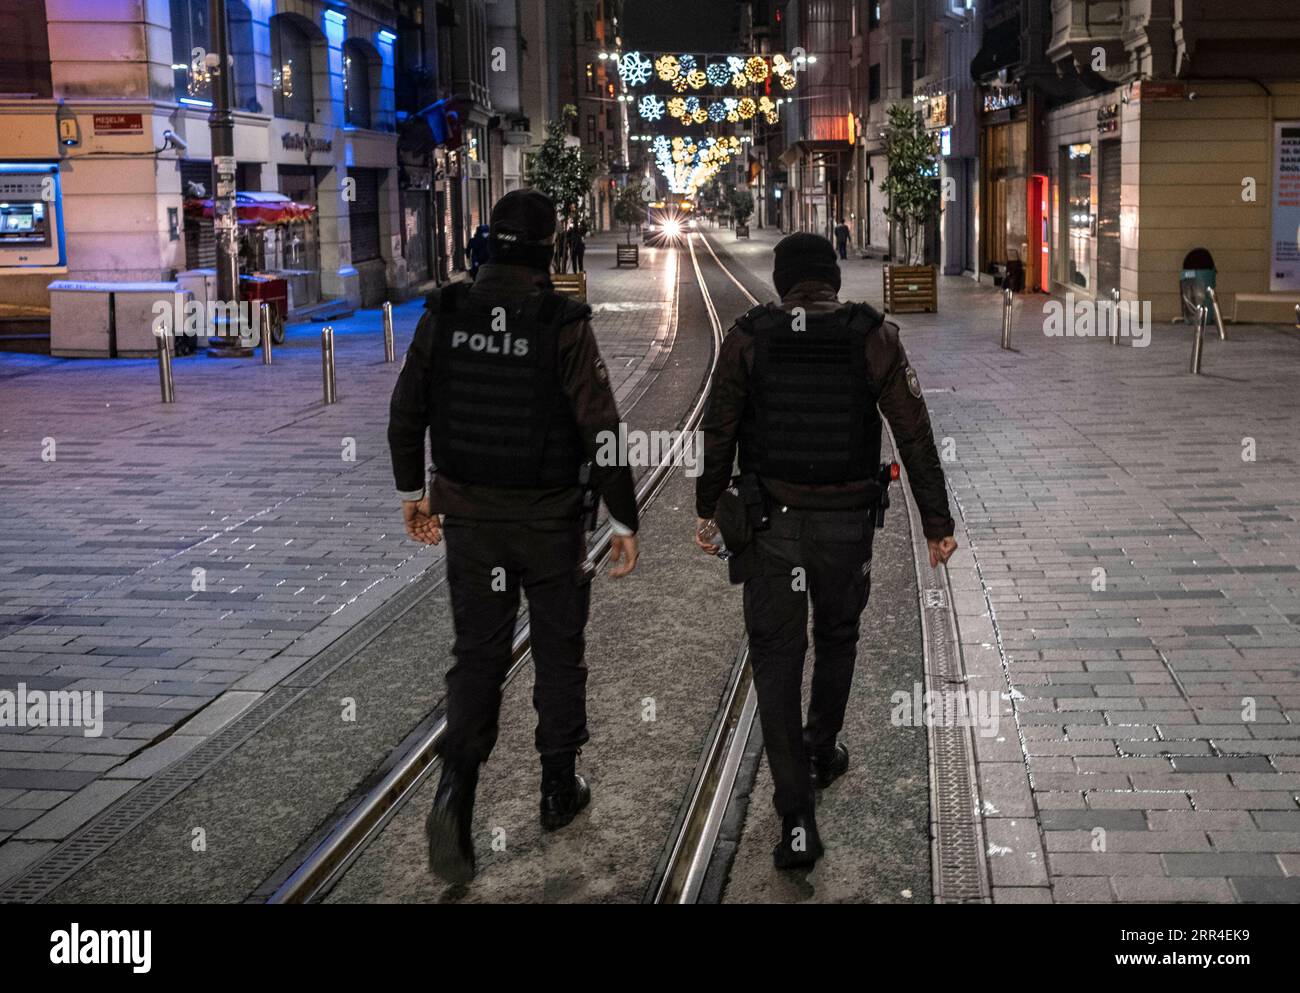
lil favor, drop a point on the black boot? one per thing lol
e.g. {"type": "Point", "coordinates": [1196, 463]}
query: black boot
{"type": "Point", "coordinates": [799, 845]}
{"type": "Point", "coordinates": [564, 792]}
{"type": "Point", "coordinates": [451, 842]}
{"type": "Point", "coordinates": [829, 766]}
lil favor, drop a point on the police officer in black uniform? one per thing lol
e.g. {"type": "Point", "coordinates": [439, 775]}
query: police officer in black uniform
{"type": "Point", "coordinates": [799, 390]}
{"type": "Point", "coordinates": [505, 379]}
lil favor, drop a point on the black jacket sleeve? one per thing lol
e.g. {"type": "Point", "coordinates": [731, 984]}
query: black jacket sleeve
{"type": "Point", "coordinates": [586, 383]}
{"type": "Point", "coordinates": [904, 408]}
{"type": "Point", "coordinates": [728, 395]}
{"type": "Point", "coordinates": [408, 411]}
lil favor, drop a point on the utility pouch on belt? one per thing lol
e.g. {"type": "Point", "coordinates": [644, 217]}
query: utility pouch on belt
{"type": "Point", "coordinates": [741, 511]}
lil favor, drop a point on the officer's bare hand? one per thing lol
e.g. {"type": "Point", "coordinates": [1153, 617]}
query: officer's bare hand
{"type": "Point", "coordinates": [421, 525]}
{"type": "Point", "coordinates": [702, 528]}
{"type": "Point", "coordinates": [941, 550]}
{"type": "Point", "coordinates": [623, 553]}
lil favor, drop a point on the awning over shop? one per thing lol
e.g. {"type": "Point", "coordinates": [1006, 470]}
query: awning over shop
{"type": "Point", "coordinates": [256, 208]}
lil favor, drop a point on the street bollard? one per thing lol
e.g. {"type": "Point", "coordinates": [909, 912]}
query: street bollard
{"type": "Point", "coordinates": [388, 332]}
{"type": "Point", "coordinates": [165, 370]}
{"type": "Point", "coordinates": [1114, 317]}
{"type": "Point", "coordinates": [327, 362]}
{"type": "Point", "coordinates": [264, 331]}
{"type": "Point", "coordinates": [1198, 342]}
{"type": "Point", "coordinates": [1218, 315]}
{"type": "Point", "coordinates": [1008, 301]}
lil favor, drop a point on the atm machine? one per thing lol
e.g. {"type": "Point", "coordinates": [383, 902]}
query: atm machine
{"type": "Point", "coordinates": [31, 215]}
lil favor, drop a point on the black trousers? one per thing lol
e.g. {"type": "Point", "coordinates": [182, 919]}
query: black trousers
{"type": "Point", "coordinates": [825, 555]}
{"type": "Point", "coordinates": [488, 564]}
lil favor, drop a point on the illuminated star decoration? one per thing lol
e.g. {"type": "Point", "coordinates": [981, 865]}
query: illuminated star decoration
{"type": "Point", "coordinates": [668, 67]}
{"type": "Point", "coordinates": [634, 69]}
{"type": "Point", "coordinates": [718, 74]}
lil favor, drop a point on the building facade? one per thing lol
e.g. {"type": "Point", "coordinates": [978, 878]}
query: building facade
{"type": "Point", "coordinates": [1134, 131]}
{"type": "Point", "coordinates": [102, 85]}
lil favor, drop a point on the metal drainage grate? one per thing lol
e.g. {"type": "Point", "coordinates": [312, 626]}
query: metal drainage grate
{"type": "Point", "coordinates": [957, 851]}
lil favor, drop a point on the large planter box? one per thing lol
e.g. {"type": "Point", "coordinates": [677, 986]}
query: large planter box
{"type": "Point", "coordinates": [628, 255]}
{"type": "Point", "coordinates": [742, 231]}
{"type": "Point", "coordinates": [911, 289]}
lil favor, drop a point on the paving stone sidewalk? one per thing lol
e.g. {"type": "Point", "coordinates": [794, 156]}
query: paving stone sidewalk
{"type": "Point", "coordinates": [1129, 581]}
{"type": "Point", "coordinates": [184, 559]}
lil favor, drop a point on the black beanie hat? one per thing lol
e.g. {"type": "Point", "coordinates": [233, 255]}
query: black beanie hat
{"type": "Point", "coordinates": [523, 229]}
{"type": "Point", "coordinates": [801, 257]}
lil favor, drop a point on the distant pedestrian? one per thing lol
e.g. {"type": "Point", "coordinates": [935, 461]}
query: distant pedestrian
{"type": "Point", "coordinates": [842, 237]}
{"type": "Point", "coordinates": [478, 250]}
{"type": "Point", "coordinates": [577, 248]}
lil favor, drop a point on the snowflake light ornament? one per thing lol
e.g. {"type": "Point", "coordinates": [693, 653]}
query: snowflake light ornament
{"type": "Point", "coordinates": [635, 69]}
{"type": "Point", "coordinates": [652, 108]}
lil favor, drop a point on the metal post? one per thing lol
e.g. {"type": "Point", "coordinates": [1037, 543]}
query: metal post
{"type": "Point", "coordinates": [1114, 317]}
{"type": "Point", "coordinates": [1218, 316]}
{"type": "Point", "coordinates": [228, 329]}
{"type": "Point", "coordinates": [1202, 312]}
{"type": "Point", "coordinates": [388, 332]}
{"type": "Point", "coordinates": [1008, 301]}
{"type": "Point", "coordinates": [264, 331]}
{"type": "Point", "coordinates": [165, 369]}
{"type": "Point", "coordinates": [327, 362]}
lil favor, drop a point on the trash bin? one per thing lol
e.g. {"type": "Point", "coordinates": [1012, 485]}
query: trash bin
{"type": "Point", "coordinates": [1198, 275]}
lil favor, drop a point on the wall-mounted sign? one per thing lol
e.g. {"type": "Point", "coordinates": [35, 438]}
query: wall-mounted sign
{"type": "Point", "coordinates": [118, 123]}
{"type": "Point", "coordinates": [1108, 119]}
{"type": "Point", "coordinates": [1149, 91]}
{"type": "Point", "coordinates": [306, 143]}
{"type": "Point", "coordinates": [937, 111]}
{"type": "Point", "coordinates": [1001, 99]}
{"type": "Point", "coordinates": [1285, 271]}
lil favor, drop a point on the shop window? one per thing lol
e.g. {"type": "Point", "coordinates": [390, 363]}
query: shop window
{"type": "Point", "coordinates": [291, 69]}
{"type": "Point", "coordinates": [873, 19]}
{"type": "Point", "coordinates": [591, 129]}
{"type": "Point", "coordinates": [588, 26]}
{"type": "Point", "coordinates": [239, 20]}
{"type": "Point", "coordinates": [908, 67]}
{"type": "Point", "coordinates": [1080, 215]}
{"type": "Point", "coordinates": [191, 38]}
{"type": "Point", "coordinates": [591, 78]}
{"type": "Point", "coordinates": [357, 65]}
{"type": "Point", "coordinates": [873, 84]}
{"type": "Point", "coordinates": [25, 67]}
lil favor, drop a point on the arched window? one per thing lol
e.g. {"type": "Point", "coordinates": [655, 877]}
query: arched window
{"type": "Point", "coordinates": [291, 70]}
{"type": "Point", "coordinates": [240, 21]}
{"type": "Point", "coordinates": [191, 39]}
{"type": "Point", "coordinates": [357, 67]}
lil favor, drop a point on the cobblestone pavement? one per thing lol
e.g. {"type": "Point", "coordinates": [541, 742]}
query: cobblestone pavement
{"type": "Point", "coordinates": [184, 559]}
{"type": "Point", "coordinates": [1128, 583]}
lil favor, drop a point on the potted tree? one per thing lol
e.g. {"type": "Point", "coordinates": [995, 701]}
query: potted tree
{"type": "Point", "coordinates": [913, 190]}
{"type": "Point", "coordinates": [629, 210]}
{"type": "Point", "coordinates": [563, 173]}
{"type": "Point", "coordinates": [742, 208]}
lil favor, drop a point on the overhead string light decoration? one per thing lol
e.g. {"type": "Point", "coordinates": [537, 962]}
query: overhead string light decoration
{"type": "Point", "coordinates": [689, 163]}
{"type": "Point", "coordinates": [686, 73]}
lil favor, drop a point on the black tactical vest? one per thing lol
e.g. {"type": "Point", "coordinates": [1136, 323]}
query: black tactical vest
{"type": "Point", "coordinates": [500, 416]}
{"type": "Point", "coordinates": [812, 417]}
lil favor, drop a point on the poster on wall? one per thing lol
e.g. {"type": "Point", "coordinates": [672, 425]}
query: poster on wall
{"type": "Point", "coordinates": [1285, 273]}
